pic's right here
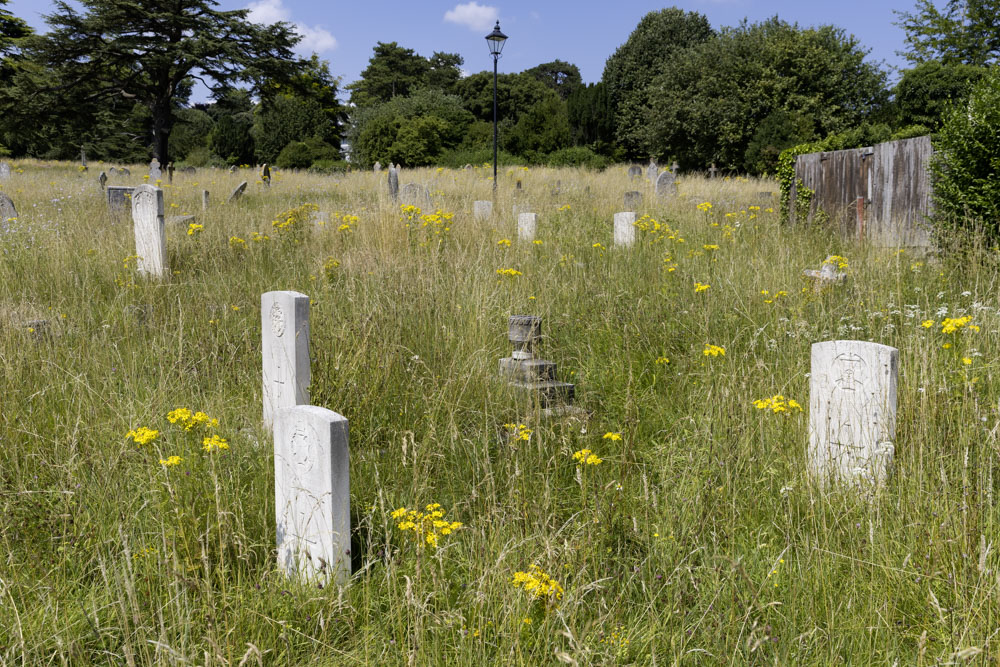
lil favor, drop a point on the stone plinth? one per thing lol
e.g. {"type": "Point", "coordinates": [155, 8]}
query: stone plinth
{"type": "Point", "coordinates": [524, 371]}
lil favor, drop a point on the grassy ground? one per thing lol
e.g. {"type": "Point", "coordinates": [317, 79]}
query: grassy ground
{"type": "Point", "coordinates": [697, 539]}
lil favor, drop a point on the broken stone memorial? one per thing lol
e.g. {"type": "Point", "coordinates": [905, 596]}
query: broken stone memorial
{"type": "Point", "coordinates": [312, 494]}
{"type": "Point", "coordinates": [119, 197]}
{"type": "Point", "coordinates": [265, 175]}
{"type": "Point", "coordinates": [393, 183]}
{"type": "Point", "coordinates": [632, 200]}
{"type": "Point", "coordinates": [154, 170]}
{"type": "Point", "coordinates": [412, 194]}
{"type": "Point", "coordinates": [150, 234]}
{"type": "Point", "coordinates": [4, 171]}
{"type": "Point", "coordinates": [665, 185]}
{"type": "Point", "coordinates": [285, 351]}
{"type": "Point", "coordinates": [482, 210]}
{"type": "Point", "coordinates": [527, 224]}
{"type": "Point", "coordinates": [237, 193]}
{"type": "Point", "coordinates": [852, 411]}
{"type": "Point", "coordinates": [102, 180]}
{"type": "Point", "coordinates": [525, 371]}
{"type": "Point", "coordinates": [7, 210]}
{"type": "Point", "coordinates": [634, 172]}
{"type": "Point", "coordinates": [624, 230]}
{"type": "Point", "coordinates": [828, 274]}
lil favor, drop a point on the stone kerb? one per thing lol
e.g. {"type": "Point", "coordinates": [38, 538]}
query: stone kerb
{"type": "Point", "coordinates": [284, 351]}
{"type": "Point", "coordinates": [852, 411]}
{"type": "Point", "coordinates": [312, 493]}
{"type": "Point", "coordinates": [150, 234]}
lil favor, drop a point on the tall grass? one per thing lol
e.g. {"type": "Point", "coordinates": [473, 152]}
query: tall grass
{"type": "Point", "coordinates": [697, 539]}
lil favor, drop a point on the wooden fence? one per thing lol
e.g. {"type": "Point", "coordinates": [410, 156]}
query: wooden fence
{"type": "Point", "coordinates": [892, 181]}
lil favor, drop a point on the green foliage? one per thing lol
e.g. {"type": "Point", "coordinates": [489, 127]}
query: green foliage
{"type": "Point", "coordinates": [419, 141]}
{"type": "Point", "coordinates": [192, 128]}
{"type": "Point", "coordinates": [925, 92]}
{"type": "Point", "coordinates": [966, 162]}
{"type": "Point", "coordinates": [397, 71]}
{"type": "Point", "coordinates": [576, 156]}
{"type": "Point", "coordinates": [296, 155]}
{"type": "Point", "coordinates": [591, 118]}
{"type": "Point", "coordinates": [650, 50]}
{"type": "Point", "coordinates": [516, 94]}
{"type": "Point", "coordinates": [560, 76]}
{"type": "Point", "coordinates": [780, 130]}
{"type": "Point", "coordinates": [708, 105]}
{"type": "Point", "coordinates": [12, 29]}
{"type": "Point", "coordinates": [231, 139]}
{"type": "Point", "coordinates": [544, 128]}
{"type": "Point", "coordinates": [202, 156]}
{"type": "Point", "coordinates": [964, 32]}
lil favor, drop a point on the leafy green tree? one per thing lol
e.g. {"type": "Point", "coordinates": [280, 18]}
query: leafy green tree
{"type": "Point", "coordinates": [12, 29]}
{"type": "Point", "coordinates": [780, 130]}
{"type": "Point", "coordinates": [445, 71]}
{"type": "Point", "coordinates": [650, 49]}
{"type": "Point", "coordinates": [963, 32]}
{"type": "Point", "coordinates": [232, 139]}
{"type": "Point", "coordinates": [562, 77]}
{"type": "Point", "coordinates": [925, 92]}
{"type": "Point", "coordinates": [591, 118]}
{"type": "Point", "coordinates": [516, 94]}
{"type": "Point", "coordinates": [145, 50]}
{"type": "Point", "coordinates": [192, 128]}
{"type": "Point", "coordinates": [544, 128]}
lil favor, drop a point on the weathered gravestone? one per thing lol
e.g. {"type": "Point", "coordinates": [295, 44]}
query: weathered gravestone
{"type": "Point", "coordinates": [154, 170]}
{"type": "Point", "coordinates": [525, 371]}
{"type": "Point", "coordinates": [102, 180]}
{"type": "Point", "coordinates": [285, 351]}
{"type": "Point", "coordinates": [83, 159]}
{"type": "Point", "coordinates": [467, 167]}
{"type": "Point", "coordinates": [412, 194]}
{"type": "Point", "coordinates": [112, 171]}
{"type": "Point", "coordinates": [712, 170]}
{"type": "Point", "coordinates": [674, 167]}
{"type": "Point", "coordinates": [527, 224]}
{"type": "Point", "coordinates": [7, 210]}
{"type": "Point", "coordinates": [312, 494]}
{"type": "Point", "coordinates": [204, 200]}
{"type": "Point", "coordinates": [125, 171]}
{"type": "Point", "coordinates": [632, 200]}
{"type": "Point", "coordinates": [232, 170]}
{"type": "Point", "coordinates": [4, 171]}
{"type": "Point", "coordinates": [237, 193]}
{"type": "Point", "coordinates": [828, 274]}
{"type": "Point", "coordinates": [378, 167]}
{"type": "Point", "coordinates": [634, 172]}
{"type": "Point", "coordinates": [852, 411]}
{"type": "Point", "coordinates": [150, 234]}
{"type": "Point", "coordinates": [665, 185]}
{"type": "Point", "coordinates": [398, 168]}
{"type": "Point", "coordinates": [624, 229]}
{"type": "Point", "coordinates": [482, 210]}
{"type": "Point", "coordinates": [188, 170]}
{"type": "Point", "coordinates": [393, 183]}
{"type": "Point", "coordinates": [265, 175]}
{"type": "Point", "coordinates": [652, 170]}
{"type": "Point", "coordinates": [119, 197]}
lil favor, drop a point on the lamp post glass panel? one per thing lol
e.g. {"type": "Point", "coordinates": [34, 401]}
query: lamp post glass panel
{"type": "Point", "coordinates": [496, 41]}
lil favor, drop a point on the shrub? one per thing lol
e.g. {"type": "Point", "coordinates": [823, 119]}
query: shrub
{"type": "Point", "coordinates": [576, 156]}
{"type": "Point", "coordinates": [295, 155]}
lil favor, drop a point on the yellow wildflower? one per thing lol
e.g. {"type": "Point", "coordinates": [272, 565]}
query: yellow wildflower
{"type": "Point", "coordinates": [142, 435]}
{"type": "Point", "coordinates": [171, 461]}
{"type": "Point", "coordinates": [714, 350]}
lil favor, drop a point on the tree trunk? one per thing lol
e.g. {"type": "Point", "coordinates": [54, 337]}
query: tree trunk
{"type": "Point", "coordinates": [163, 121]}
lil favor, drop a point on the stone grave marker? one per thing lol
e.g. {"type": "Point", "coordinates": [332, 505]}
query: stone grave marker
{"type": "Point", "coordinates": [527, 225]}
{"type": "Point", "coordinates": [232, 170]}
{"type": "Point", "coordinates": [467, 167]}
{"type": "Point", "coordinates": [204, 200]}
{"type": "Point", "coordinates": [7, 210]}
{"type": "Point", "coordinates": [632, 200]}
{"type": "Point", "coordinates": [624, 230]}
{"type": "Point", "coordinates": [118, 198]}
{"type": "Point", "coordinates": [665, 185]}
{"type": "Point", "coordinates": [312, 494]}
{"type": "Point", "coordinates": [398, 168]}
{"type": "Point", "coordinates": [285, 351]}
{"type": "Point", "coordinates": [125, 171]}
{"type": "Point", "coordinates": [378, 167]}
{"type": "Point", "coordinates": [188, 170]}
{"type": "Point", "coordinates": [518, 184]}
{"type": "Point", "coordinates": [265, 175]}
{"type": "Point", "coordinates": [170, 172]}
{"type": "Point", "coordinates": [83, 158]}
{"type": "Point", "coordinates": [828, 274]}
{"type": "Point", "coordinates": [525, 371]}
{"type": "Point", "coordinates": [102, 180]}
{"type": "Point", "coordinates": [4, 171]}
{"type": "Point", "coordinates": [412, 194]}
{"type": "Point", "coordinates": [393, 183]}
{"type": "Point", "coordinates": [852, 411]}
{"type": "Point", "coordinates": [652, 170]}
{"type": "Point", "coordinates": [712, 170]}
{"type": "Point", "coordinates": [112, 171]}
{"type": "Point", "coordinates": [482, 210]}
{"type": "Point", "coordinates": [674, 167]}
{"type": "Point", "coordinates": [634, 172]}
{"type": "Point", "coordinates": [150, 234]}
{"type": "Point", "coordinates": [237, 193]}
{"type": "Point", "coordinates": [154, 170]}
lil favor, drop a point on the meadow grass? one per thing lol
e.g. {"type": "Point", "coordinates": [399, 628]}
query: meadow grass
{"type": "Point", "coordinates": [698, 538]}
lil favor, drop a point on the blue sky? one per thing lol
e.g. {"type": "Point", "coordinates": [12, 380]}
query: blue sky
{"type": "Point", "coordinates": [581, 32]}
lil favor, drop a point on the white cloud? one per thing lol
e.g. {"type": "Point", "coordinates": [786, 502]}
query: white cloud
{"type": "Point", "coordinates": [473, 15]}
{"type": "Point", "coordinates": [314, 38]}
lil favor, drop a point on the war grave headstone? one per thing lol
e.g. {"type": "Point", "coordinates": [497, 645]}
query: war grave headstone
{"type": "Point", "coordinates": [393, 183]}
{"type": "Point", "coordinates": [150, 234]}
{"type": "Point", "coordinates": [312, 493]}
{"type": "Point", "coordinates": [102, 180]}
{"type": "Point", "coordinates": [632, 200]}
{"type": "Point", "coordinates": [204, 200]}
{"type": "Point", "coordinates": [412, 194]}
{"type": "Point", "coordinates": [665, 185]}
{"type": "Point", "coordinates": [265, 175]}
{"type": "Point", "coordinates": [4, 171]}
{"type": "Point", "coordinates": [828, 274]}
{"type": "Point", "coordinates": [482, 210]}
{"type": "Point", "coordinates": [527, 225]}
{"type": "Point", "coordinates": [237, 193]}
{"type": "Point", "coordinates": [285, 351]}
{"type": "Point", "coordinates": [154, 170]}
{"type": "Point", "coordinates": [7, 210]}
{"type": "Point", "coordinates": [634, 172]}
{"type": "Point", "coordinates": [525, 371]}
{"type": "Point", "coordinates": [118, 198]}
{"type": "Point", "coordinates": [852, 411]}
{"type": "Point", "coordinates": [624, 229]}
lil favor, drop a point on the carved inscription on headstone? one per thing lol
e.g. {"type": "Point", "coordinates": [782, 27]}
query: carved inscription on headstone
{"type": "Point", "coordinates": [284, 350]}
{"type": "Point", "coordinates": [852, 411]}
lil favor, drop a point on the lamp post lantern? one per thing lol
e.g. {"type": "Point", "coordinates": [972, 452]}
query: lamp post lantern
{"type": "Point", "coordinates": [496, 41]}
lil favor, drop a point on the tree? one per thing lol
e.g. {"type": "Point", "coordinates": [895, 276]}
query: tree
{"type": "Point", "coordinates": [397, 71]}
{"type": "Point", "coordinates": [591, 118]}
{"type": "Point", "coordinates": [516, 94]}
{"type": "Point", "coordinates": [925, 92]}
{"type": "Point", "coordinates": [562, 77]}
{"type": "Point", "coordinates": [544, 128]}
{"type": "Point", "coordinates": [445, 71]}
{"type": "Point", "coordinates": [12, 28]}
{"type": "Point", "coordinates": [966, 31]}
{"type": "Point", "coordinates": [650, 49]}
{"type": "Point", "coordinates": [145, 50]}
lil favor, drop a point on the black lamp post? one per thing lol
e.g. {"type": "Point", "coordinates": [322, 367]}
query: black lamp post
{"type": "Point", "coordinates": [496, 41]}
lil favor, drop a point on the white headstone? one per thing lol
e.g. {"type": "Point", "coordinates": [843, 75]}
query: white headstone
{"type": "Point", "coordinates": [852, 411]}
{"type": "Point", "coordinates": [150, 234]}
{"type": "Point", "coordinates": [285, 350]}
{"type": "Point", "coordinates": [154, 170]}
{"type": "Point", "coordinates": [482, 210]}
{"type": "Point", "coordinates": [312, 493]}
{"type": "Point", "coordinates": [526, 226]}
{"type": "Point", "coordinates": [624, 234]}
